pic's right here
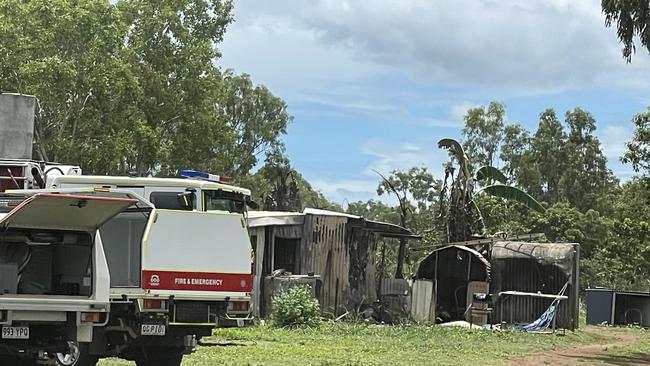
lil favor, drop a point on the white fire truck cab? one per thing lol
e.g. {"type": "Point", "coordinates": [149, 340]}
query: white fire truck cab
{"type": "Point", "coordinates": [54, 278]}
{"type": "Point", "coordinates": [177, 269]}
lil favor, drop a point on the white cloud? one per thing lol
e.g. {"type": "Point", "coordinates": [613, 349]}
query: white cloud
{"type": "Point", "coordinates": [343, 191]}
{"type": "Point", "coordinates": [613, 139]}
{"type": "Point", "coordinates": [391, 155]}
{"type": "Point", "coordinates": [530, 46]}
{"type": "Point", "coordinates": [527, 44]}
{"type": "Point", "coordinates": [266, 42]}
{"type": "Point", "coordinates": [459, 110]}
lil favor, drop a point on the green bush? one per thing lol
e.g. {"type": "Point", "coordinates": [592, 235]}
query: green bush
{"type": "Point", "coordinates": [295, 307]}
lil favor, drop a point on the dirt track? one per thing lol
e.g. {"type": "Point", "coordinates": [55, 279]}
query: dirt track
{"type": "Point", "coordinates": [591, 354]}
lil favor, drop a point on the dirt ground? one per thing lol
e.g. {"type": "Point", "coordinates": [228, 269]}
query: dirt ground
{"type": "Point", "coordinates": [591, 354]}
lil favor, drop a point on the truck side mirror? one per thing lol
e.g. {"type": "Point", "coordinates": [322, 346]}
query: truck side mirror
{"type": "Point", "coordinates": [186, 200]}
{"type": "Point", "coordinates": [252, 204]}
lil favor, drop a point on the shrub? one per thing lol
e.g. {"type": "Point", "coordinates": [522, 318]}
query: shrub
{"type": "Point", "coordinates": [295, 307]}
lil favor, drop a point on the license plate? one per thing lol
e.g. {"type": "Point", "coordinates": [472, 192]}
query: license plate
{"type": "Point", "coordinates": [152, 329]}
{"type": "Point", "coordinates": [15, 332]}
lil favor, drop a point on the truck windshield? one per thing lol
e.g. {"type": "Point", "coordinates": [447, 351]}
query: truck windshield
{"type": "Point", "coordinates": [170, 201]}
{"type": "Point", "coordinates": [219, 200]}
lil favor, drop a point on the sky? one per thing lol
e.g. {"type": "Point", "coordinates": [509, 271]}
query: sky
{"type": "Point", "coordinates": [373, 85]}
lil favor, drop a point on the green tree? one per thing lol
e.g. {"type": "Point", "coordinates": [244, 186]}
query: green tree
{"type": "Point", "coordinates": [548, 159]}
{"type": "Point", "coordinates": [375, 210]}
{"type": "Point", "coordinates": [516, 142]}
{"type": "Point", "coordinates": [68, 54]}
{"type": "Point", "coordinates": [254, 116]}
{"type": "Point", "coordinates": [504, 217]}
{"type": "Point", "coordinates": [562, 223]}
{"type": "Point", "coordinates": [416, 191]}
{"type": "Point", "coordinates": [586, 178]}
{"type": "Point", "coordinates": [482, 133]}
{"type": "Point", "coordinates": [638, 150]}
{"type": "Point", "coordinates": [277, 186]}
{"type": "Point", "coordinates": [133, 86]}
{"type": "Point", "coordinates": [240, 124]}
{"type": "Point", "coordinates": [632, 20]}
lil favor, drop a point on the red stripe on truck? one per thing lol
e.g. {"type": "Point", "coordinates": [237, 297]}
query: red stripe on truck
{"type": "Point", "coordinates": [197, 281]}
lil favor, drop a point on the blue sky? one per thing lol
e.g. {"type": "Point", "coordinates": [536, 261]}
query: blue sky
{"type": "Point", "coordinates": [375, 84]}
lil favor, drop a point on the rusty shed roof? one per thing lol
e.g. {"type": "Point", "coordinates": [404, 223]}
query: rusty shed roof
{"type": "Point", "coordinates": [280, 218]}
{"type": "Point", "coordinates": [557, 253]}
{"type": "Point", "coordinates": [274, 218]}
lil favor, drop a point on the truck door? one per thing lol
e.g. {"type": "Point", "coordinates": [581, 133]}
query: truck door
{"type": "Point", "coordinates": [64, 212]}
{"type": "Point", "coordinates": [197, 251]}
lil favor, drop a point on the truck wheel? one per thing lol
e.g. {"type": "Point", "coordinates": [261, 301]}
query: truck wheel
{"type": "Point", "coordinates": [77, 356]}
{"type": "Point", "coordinates": [158, 356]}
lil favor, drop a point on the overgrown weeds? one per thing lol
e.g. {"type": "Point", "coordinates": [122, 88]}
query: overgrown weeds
{"type": "Point", "coordinates": [296, 307]}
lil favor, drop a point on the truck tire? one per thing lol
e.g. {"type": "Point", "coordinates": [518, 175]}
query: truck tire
{"type": "Point", "coordinates": [158, 356]}
{"type": "Point", "coordinates": [78, 356]}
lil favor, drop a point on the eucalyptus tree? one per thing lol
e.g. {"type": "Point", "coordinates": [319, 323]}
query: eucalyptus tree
{"type": "Point", "coordinates": [482, 132]}
{"type": "Point", "coordinates": [416, 191]}
{"type": "Point", "coordinates": [586, 179]}
{"type": "Point", "coordinates": [632, 21]}
{"type": "Point", "coordinates": [516, 142]}
{"type": "Point", "coordinates": [637, 150]}
{"type": "Point", "coordinates": [547, 156]}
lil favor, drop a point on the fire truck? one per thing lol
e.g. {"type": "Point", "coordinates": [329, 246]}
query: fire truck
{"type": "Point", "coordinates": [178, 268]}
{"type": "Point", "coordinates": [179, 261]}
{"type": "Point", "coordinates": [54, 278]}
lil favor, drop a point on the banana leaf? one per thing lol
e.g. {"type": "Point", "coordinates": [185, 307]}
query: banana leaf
{"type": "Point", "coordinates": [488, 172]}
{"type": "Point", "coordinates": [456, 150]}
{"type": "Point", "coordinates": [513, 194]}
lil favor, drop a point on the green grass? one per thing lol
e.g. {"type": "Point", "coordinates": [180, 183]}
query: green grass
{"type": "Point", "coordinates": [633, 354]}
{"type": "Point", "coordinates": [360, 344]}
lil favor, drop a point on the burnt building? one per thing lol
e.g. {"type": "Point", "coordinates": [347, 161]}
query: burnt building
{"type": "Point", "coordinates": [336, 249]}
{"type": "Point", "coordinates": [523, 278]}
{"type": "Point", "coordinates": [535, 273]}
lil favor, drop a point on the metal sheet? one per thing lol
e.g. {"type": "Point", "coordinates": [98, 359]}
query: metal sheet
{"type": "Point", "coordinates": [122, 238]}
{"type": "Point", "coordinates": [422, 298]}
{"type": "Point", "coordinates": [395, 286]}
{"type": "Point", "coordinates": [535, 267]}
{"type": "Point", "coordinates": [288, 231]}
{"type": "Point", "coordinates": [269, 218]}
{"type": "Point", "coordinates": [599, 306]}
{"type": "Point", "coordinates": [396, 298]}
{"type": "Point", "coordinates": [258, 238]}
{"type": "Point", "coordinates": [16, 126]}
{"type": "Point", "coordinates": [330, 259]}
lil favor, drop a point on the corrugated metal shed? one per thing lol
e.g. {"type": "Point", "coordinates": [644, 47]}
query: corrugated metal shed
{"type": "Point", "coordinates": [452, 269]}
{"type": "Point", "coordinates": [338, 247]}
{"type": "Point", "coordinates": [533, 268]}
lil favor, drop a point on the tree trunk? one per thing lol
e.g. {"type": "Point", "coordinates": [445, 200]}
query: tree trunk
{"type": "Point", "coordinates": [399, 272]}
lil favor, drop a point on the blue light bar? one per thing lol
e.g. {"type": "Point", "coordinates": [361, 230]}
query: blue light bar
{"type": "Point", "coordinates": [193, 174]}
